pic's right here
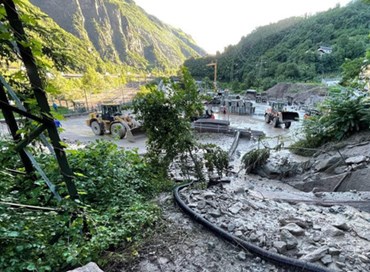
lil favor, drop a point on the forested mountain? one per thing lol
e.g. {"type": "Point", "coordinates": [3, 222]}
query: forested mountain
{"type": "Point", "coordinates": [289, 49]}
{"type": "Point", "coordinates": [121, 32]}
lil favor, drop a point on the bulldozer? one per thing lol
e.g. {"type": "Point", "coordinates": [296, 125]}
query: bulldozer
{"type": "Point", "coordinates": [277, 114]}
{"type": "Point", "coordinates": [111, 120]}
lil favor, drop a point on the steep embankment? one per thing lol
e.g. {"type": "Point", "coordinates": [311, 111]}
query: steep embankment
{"type": "Point", "coordinates": [122, 32]}
{"type": "Point", "coordinates": [300, 92]}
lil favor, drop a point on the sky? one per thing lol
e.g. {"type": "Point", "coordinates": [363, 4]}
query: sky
{"type": "Point", "coordinates": [215, 24]}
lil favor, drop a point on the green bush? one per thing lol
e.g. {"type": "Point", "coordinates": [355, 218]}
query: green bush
{"type": "Point", "coordinates": [114, 187]}
{"type": "Point", "coordinates": [343, 114]}
{"type": "Point", "coordinates": [215, 159]}
{"type": "Point", "coordinates": [254, 158]}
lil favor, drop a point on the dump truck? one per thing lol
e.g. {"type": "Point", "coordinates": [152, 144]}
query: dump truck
{"type": "Point", "coordinates": [277, 114]}
{"type": "Point", "coordinates": [111, 120]}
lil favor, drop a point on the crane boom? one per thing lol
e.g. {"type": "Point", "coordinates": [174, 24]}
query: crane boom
{"type": "Point", "coordinates": [214, 64]}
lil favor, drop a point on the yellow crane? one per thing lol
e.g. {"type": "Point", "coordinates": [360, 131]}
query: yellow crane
{"type": "Point", "coordinates": [214, 64]}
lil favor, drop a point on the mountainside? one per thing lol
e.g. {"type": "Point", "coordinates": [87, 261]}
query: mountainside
{"type": "Point", "coordinates": [289, 50]}
{"type": "Point", "coordinates": [122, 32]}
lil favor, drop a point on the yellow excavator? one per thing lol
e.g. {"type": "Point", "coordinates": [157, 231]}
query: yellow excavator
{"type": "Point", "coordinates": [111, 120]}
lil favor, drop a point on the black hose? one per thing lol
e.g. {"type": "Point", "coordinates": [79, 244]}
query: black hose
{"type": "Point", "coordinates": [293, 264]}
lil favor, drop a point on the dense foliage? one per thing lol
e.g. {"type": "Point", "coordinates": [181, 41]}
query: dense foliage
{"type": "Point", "coordinates": [114, 186]}
{"type": "Point", "coordinates": [343, 113]}
{"type": "Point", "coordinates": [288, 50]}
{"type": "Point", "coordinates": [166, 114]}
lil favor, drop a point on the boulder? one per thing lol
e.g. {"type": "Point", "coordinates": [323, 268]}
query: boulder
{"type": "Point", "coordinates": [331, 231]}
{"type": "Point", "coordinates": [342, 225]}
{"type": "Point", "coordinates": [280, 246]}
{"type": "Point", "coordinates": [242, 256]}
{"type": "Point", "coordinates": [358, 180]}
{"type": "Point", "coordinates": [236, 208]}
{"type": "Point", "coordinates": [356, 159]}
{"type": "Point", "coordinates": [327, 259]}
{"type": "Point", "coordinates": [316, 254]}
{"type": "Point", "coordinates": [90, 267]}
{"type": "Point", "coordinates": [293, 229]}
{"type": "Point", "coordinates": [289, 239]}
{"type": "Point", "coordinates": [215, 213]}
{"type": "Point", "coordinates": [324, 164]}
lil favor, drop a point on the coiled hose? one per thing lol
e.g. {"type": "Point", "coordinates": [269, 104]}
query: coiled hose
{"type": "Point", "coordinates": [293, 264]}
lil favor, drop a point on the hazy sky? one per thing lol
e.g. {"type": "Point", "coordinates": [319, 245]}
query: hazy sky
{"type": "Point", "coordinates": [215, 24]}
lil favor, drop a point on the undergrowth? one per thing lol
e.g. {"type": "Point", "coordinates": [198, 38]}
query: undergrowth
{"type": "Point", "coordinates": [113, 210]}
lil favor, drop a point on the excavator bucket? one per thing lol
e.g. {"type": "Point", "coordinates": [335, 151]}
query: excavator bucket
{"type": "Point", "coordinates": [134, 133]}
{"type": "Point", "coordinates": [289, 116]}
{"type": "Point", "coordinates": [130, 137]}
{"type": "Point", "coordinates": [138, 131]}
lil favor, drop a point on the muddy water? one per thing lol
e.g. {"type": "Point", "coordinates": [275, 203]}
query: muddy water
{"type": "Point", "coordinates": [256, 122]}
{"type": "Point", "coordinates": [273, 136]}
{"type": "Point", "coordinates": [76, 130]}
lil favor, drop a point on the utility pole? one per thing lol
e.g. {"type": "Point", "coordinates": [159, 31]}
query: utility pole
{"type": "Point", "coordinates": [214, 64]}
{"type": "Point", "coordinates": [86, 101]}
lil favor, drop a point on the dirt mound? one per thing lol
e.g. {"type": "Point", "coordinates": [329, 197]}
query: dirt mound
{"type": "Point", "coordinates": [301, 92]}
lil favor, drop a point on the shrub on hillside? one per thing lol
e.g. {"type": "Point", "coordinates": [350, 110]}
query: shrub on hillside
{"type": "Point", "coordinates": [255, 158]}
{"type": "Point", "coordinates": [343, 114]}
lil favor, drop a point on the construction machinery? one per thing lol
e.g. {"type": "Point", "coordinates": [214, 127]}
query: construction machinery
{"type": "Point", "coordinates": [111, 120]}
{"type": "Point", "coordinates": [250, 94]}
{"type": "Point", "coordinates": [261, 98]}
{"type": "Point", "coordinates": [277, 114]}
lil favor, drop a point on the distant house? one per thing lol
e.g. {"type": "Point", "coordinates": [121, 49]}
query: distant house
{"type": "Point", "coordinates": [325, 49]}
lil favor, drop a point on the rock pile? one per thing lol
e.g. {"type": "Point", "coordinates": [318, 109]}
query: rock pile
{"type": "Point", "coordinates": [341, 170]}
{"type": "Point", "coordinates": [336, 237]}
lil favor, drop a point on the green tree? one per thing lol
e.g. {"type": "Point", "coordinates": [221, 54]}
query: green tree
{"type": "Point", "coordinates": [350, 70]}
{"type": "Point", "coordinates": [166, 114]}
{"type": "Point", "coordinates": [92, 82]}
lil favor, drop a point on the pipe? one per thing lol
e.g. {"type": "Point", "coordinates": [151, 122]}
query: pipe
{"type": "Point", "coordinates": [294, 264]}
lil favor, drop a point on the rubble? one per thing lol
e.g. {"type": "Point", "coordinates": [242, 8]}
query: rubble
{"type": "Point", "coordinates": [335, 237]}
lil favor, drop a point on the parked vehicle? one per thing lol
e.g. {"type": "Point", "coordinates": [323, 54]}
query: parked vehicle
{"type": "Point", "coordinates": [277, 114]}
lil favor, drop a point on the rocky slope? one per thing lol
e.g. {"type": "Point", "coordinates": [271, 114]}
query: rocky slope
{"type": "Point", "coordinates": [322, 227]}
{"type": "Point", "coordinates": [335, 236]}
{"type": "Point", "coordinates": [337, 167]}
{"type": "Point", "coordinates": [301, 93]}
{"type": "Point", "coordinates": [122, 32]}
{"type": "Point", "coordinates": [316, 227]}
